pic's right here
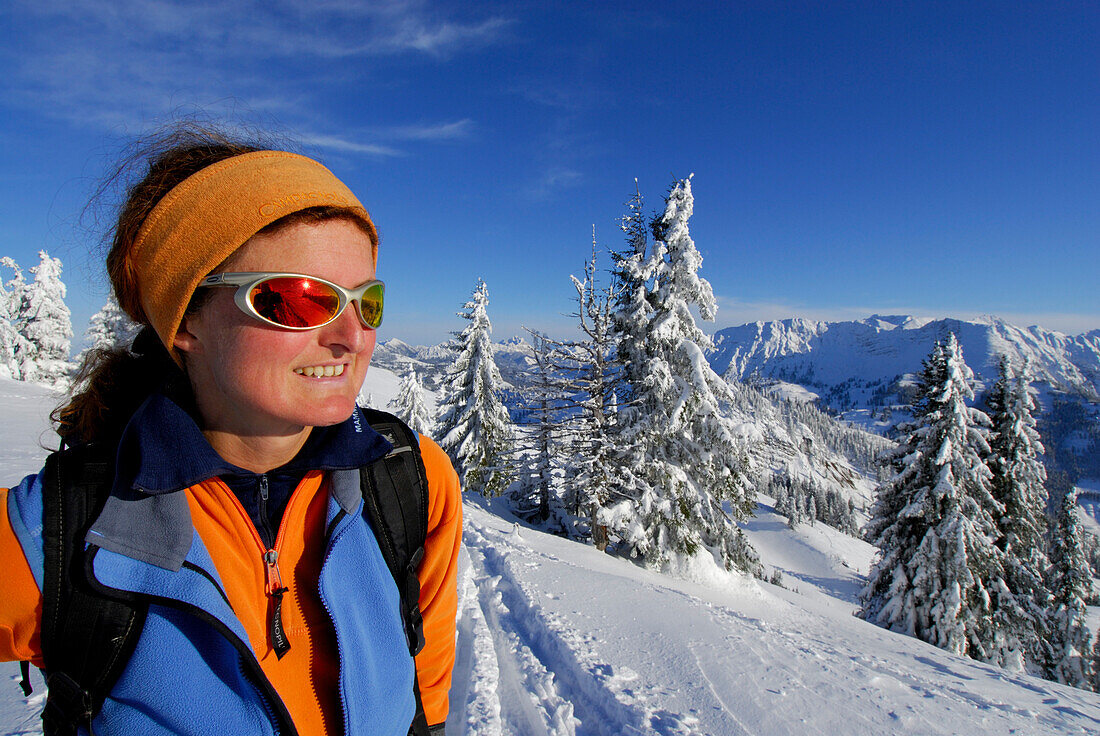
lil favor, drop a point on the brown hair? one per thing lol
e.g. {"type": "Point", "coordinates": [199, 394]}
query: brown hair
{"type": "Point", "coordinates": [113, 382]}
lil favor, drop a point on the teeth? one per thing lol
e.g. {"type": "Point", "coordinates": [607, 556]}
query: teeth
{"type": "Point", "coordinates": [321, 371]}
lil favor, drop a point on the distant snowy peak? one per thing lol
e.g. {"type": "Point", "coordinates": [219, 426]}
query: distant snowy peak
{"type": "Point", "coordinates": [881, 348]}
{"type": "Point", "coordinates": [394, 346]}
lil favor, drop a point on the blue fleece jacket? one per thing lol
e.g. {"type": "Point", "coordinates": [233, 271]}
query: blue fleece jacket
{"type": "Point", "coordinates": [193, 671]}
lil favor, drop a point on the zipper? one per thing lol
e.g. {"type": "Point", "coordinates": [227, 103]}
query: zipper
{"type": "Point", "coordinates": [275, 590]}
{"type": "Point", "coordinates": [269, 557]}
{"type": "Point", "coordinates": [265, 495]}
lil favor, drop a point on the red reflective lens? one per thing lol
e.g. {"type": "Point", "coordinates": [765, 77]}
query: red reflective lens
{"type": "Point", "coordinates": [293, 301]}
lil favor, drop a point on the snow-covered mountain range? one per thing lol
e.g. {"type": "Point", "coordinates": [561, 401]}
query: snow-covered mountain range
{"type": "Point", "coordinates": [845, 364]}
{"type": "Point", "coordinates": [851, 364]}
{"type": "Point", "coordinates": [865, 370]}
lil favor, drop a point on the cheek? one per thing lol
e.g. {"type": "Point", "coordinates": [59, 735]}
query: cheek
{"type": "Point", "coordinates": [259, 352]}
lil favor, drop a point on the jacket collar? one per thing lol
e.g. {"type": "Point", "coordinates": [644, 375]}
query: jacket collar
{"type": "Point", "coordinates": [163, 451]}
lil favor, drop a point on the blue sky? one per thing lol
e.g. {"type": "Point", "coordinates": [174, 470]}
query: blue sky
{"type": "Point", "coordinates": [935, 158]}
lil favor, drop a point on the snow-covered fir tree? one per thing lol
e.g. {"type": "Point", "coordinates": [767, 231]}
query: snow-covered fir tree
{"type": "Point", "coordinates": [1017, 484]}
{"type": "Point", "coordinates": [474, 423]}
{"type": "Point", "coordinates": [14, 347]}
{"type": "Point", "coordinates": [540, 447]}
{"type": "Point", "coordinates": [8, 336]}
{"type": "Point", "coordinates": [629, 333]}
{"type": "Point", "coordinates": [409, 404]}
{"type": "Point", "coordinates": [1070, 582]}
{"type": "Point", "coordinates": [683, 458]}
{"type": "Point", "coordinates": [793, 506]}
{"type": "Point", "coordinates": [934, 521]}
{"type": "Point", "coordinates": [45, 322]}
{"type": "Point", "coordinates": [590, 374]}
{"type": "Point", "coordinates": [110, 327]}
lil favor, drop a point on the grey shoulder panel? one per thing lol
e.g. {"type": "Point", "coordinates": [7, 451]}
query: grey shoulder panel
{"type": "Point", "coordinates": [154, 529]}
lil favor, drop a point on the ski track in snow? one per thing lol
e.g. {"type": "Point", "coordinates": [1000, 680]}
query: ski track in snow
{"type": "Point", "coordinates": [550, 677]}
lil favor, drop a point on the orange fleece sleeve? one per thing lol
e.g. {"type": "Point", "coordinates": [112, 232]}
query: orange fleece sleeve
{"type": "Point", "coordinates": [21, 601]}
{"type": "Point", "coordinates": [438, 581]}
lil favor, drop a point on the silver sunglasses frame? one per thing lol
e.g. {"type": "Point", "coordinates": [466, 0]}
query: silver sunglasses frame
{"type": "Point", "coordinates": [245, 281]}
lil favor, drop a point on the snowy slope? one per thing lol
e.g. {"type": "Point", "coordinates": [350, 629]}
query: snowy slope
{"type": "Point", "coordinates": [551, 629]}
{"type": "Point", "coordinates": [557, 638]}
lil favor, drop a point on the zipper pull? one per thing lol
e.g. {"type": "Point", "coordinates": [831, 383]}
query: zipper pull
{"type": "Point", "coordinates": [275, 589]}
{"type": "Point", "coordinates": [264, 494]}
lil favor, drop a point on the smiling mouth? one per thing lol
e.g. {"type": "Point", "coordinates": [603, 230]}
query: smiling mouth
{"type": "Point", "coordinates": [321, 371]}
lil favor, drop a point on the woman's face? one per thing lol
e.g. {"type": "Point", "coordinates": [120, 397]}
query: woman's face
{"type": "Point", "coordinates": [246, 375]}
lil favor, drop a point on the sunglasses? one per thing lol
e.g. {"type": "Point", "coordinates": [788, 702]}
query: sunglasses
{"type": "Point", "coordinates": [294, 301]}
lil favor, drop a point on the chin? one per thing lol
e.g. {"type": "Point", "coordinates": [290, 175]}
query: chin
{"type": "Point", "coordinates": [331, 414]}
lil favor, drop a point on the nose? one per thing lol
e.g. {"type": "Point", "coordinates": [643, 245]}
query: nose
{"type": "Point", "coordinates": [346, 334]}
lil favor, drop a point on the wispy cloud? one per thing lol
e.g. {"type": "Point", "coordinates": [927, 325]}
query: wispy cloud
{"type": "Point", "coordinates": [337, 143]}
{"type": "Point", "coordinates": [553, 180]}
{"type": "Point", "coordinates": [380, 141]}
{"type": "Point", "coordinates": [437, 132]}
{"type": "Point", "coordinates": [732, 311]}
{"type": "Point", "coordinates": [116, 63]}
{"type": "Point", "coordinates": [280, 28]}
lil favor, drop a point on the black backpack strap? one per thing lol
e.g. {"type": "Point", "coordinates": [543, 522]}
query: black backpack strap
{"type": "Point", "coordinates": [395, 499]}
{"type": "Point", "coordinates": [87, 638]}
{"type": "Point", "coordinates": [25, 678]}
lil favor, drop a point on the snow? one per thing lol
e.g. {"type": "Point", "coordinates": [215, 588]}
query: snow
{"type": "Point", "coordinates": [1088, 497]}
{"type": "Point", "coordinates": [557, 638]}
{"type": "Point", "coordinates": [791, 392]}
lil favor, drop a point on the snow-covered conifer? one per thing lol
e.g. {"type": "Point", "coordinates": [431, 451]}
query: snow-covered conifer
{"type": "Point", "coordinates": [782, 496]}
{"type": "Point", "coordinates": [1096, 664]}
{"type": "Point", "coordinates": [630, 325]}
{"type": "Point", "coordinates": [1070, 586]}
{"type": "Point", "coordinates": [794, 507]}
{"type": "Point", "coordinates": [1017, 484]}
{"type": "Point", "coordinates": [8, 336]}
{"type": "Point", "coordinates": [409, 404]}
{"type": "Point", "coordinates": [933, 521]}
{"type": "Point", "coordinates": [536, 495]}
{"type": "Point", "coordinates": [588, 373]}
{"type": "Point", "coordinates": [14, 347]}
{"type": "Point", "coordinates": [475, 426]}
{"type": "Point", "coordinates": [110, 327]}
{"type": "Point", "coordinates": [45, 322]}
{"type": "Point", "coordinates": [681, 452]}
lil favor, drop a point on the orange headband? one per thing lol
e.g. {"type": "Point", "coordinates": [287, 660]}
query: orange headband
{"type": "Point", "coordinates": [209, 215]}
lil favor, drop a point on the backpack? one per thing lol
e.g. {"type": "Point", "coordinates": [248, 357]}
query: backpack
{"type": "Point", "coordinates": [88, 637]}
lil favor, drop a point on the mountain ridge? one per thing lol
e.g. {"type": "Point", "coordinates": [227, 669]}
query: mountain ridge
{"type": "Point", "coordinates": [880, 349]}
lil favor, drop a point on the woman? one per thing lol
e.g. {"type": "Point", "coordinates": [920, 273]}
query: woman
{"type": "Point", "coordinates": [229, 426]}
